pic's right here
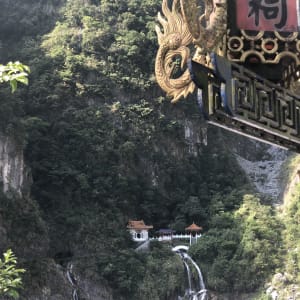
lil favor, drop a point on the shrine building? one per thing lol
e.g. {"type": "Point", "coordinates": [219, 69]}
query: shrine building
{"type": "Point", "coordinates": [194, 231]}
{"type": "Point", "coordinates": [138, 230]}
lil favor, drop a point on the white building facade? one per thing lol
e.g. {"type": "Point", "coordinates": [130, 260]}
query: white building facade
{"type": "Point", "coordinates": [138, 230]}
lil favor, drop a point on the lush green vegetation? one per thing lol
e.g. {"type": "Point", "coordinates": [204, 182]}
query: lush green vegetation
{"type": "Point", "coordinates": [14, 72]}
{"type": "Point", "coordinates": [10, 280]}
{"type": "Point", "coordinates": [155, 275]}
{"type": "Point", "coordinates": [241, 248]}
{"type": "Point", "coordinates": [291, 214]}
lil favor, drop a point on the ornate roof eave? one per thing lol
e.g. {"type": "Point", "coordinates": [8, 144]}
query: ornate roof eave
{"type": "Point", "coordinates": [248, 84]}
{"type": "Point", "coordinates": [193, 227]}
{"type": "Point", "coordinates": [138, 225]}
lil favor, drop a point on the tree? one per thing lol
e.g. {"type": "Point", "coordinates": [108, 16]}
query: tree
{"type": "Point", "coordinates": [13, 73]}
{"type": "Point", "coordinates": [241, 248]}
{"type": "Point", "coordinates": [10, 279]}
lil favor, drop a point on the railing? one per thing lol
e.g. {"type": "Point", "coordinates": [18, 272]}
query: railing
{"type": "Point", "coordinates": [175, 236]}
{"type": "Point", "coordinates": [233, 97]}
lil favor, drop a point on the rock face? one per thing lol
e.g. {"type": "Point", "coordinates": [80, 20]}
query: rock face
{"type": "Point", "coordinates": [261, 162]}
{"type": "Point", "coordinates": [265, 173]}
{"type": "Point", "coordinates": [31, 12]}
{"type": "Point", "coordinates": [90, 291]}
{"type": "Point", "coordinates": [195, 135]}
{"type": "Point", "coordinates": [55, 286]}
{"type": "Point", "coordinates": [13, 173]}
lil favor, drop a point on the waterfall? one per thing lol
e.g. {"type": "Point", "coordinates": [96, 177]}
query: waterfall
{"type": "Point", "coordinates": [201, 294]}
{"type": "Point", "coordinates": [188, 274]}
{"type": "Point", "coordinates": [201, 282]}
{"type": "Point", "coordinates": [72, 280]}
{"type": "Point", "coordinates": [197, 292]}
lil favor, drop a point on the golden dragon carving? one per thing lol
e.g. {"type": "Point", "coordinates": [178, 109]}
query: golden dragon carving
{"type": "Point", "coordinates": [173, 42]}
{"type": "Point", "coordinates": [208, 28]}
{"type": "Point", "coordinates": [183, 25]}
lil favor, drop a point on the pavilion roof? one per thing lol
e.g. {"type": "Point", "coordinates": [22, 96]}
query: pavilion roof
{"type": "Point", "coordinates": [193, 227]}
{"type": "Point", "coordinates": [139, 225]}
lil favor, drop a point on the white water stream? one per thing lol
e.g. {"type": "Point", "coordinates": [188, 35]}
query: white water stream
{"type": "Point", "coordinates": [189, 275]}
{"type": "Point", "coordinates": [196, 289]}
{"type": "Point", "coordinates": [72, 280]}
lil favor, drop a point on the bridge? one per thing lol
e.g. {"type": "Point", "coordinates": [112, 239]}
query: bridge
{"type": "Point", "coordinates": [176, 237]}
{"type": "Point", "coordinates": [144, 244]}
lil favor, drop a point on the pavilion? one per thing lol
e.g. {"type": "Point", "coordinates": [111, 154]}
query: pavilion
{"type": "Point", "coordinates": [138, 230]}
{"type": "Point", "coordinates": [194, 231]}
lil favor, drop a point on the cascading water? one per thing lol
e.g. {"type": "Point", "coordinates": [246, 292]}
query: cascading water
{"type": "Point", "coordinates": [72, 280]}
{"type": "Point", "coordinates": [189, 275]}
{"type": "Point", "coordinates": [201, 282]}
{"type": "Point", "coordinates": [197, 292]}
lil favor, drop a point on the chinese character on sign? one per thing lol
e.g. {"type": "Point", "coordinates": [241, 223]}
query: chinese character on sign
{"type": "Point", "coordinates": [269, 15]}
{"type": "Point", "coordinates": [270, 10]}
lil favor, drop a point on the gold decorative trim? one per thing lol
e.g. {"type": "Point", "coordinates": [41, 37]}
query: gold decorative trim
{"type": "Point", "coordinates": [183, 25]}
{"type": "Point", "coordinates": [268, 47]}
{"type": "Point", "coordinates": [209, 28]}
{"type": "Point", "coordinates": [173, 52]}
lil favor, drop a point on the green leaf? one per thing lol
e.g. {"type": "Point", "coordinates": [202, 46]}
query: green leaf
{"type": "Point", "coordinates": [13, 84]}
{"type": "Point", "coordinates": [23, 80]}
{"type": "Point", "coordinates": [10, 279]}
{"type": "Point", "coordinates": [14, 72]}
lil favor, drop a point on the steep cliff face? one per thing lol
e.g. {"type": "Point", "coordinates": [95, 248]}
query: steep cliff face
{"type": "Point", "coordinates": [195, 134]}
{"type": "Point", "coordinates": [266, 174]}
{"type": "Point", "coordinates": [263, 164]}
{"type": "Point", "coordinates": [21, 19]}
{"type": "Point", "coordinates": [13, 173]}
{"type": "Point", "coordinates": [285, 284]}
{"type": "Point", "coordinates": [53, 284]}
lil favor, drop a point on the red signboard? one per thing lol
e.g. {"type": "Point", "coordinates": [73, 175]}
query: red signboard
{"type": "Point", "coordinates": [268, 15]}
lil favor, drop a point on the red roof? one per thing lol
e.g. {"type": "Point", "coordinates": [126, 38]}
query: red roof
{"type": "Point", "coordinates": [140, 225]}
{"type": "Point", "coordinates": [193, 227]}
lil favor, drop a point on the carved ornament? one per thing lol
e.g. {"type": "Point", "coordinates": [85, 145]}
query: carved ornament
{"type": "Point", "coordinates": [187, 23]}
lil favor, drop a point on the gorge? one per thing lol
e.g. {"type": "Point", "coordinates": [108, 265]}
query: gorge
{"type": "Point", "coordinates": [92, 143]}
